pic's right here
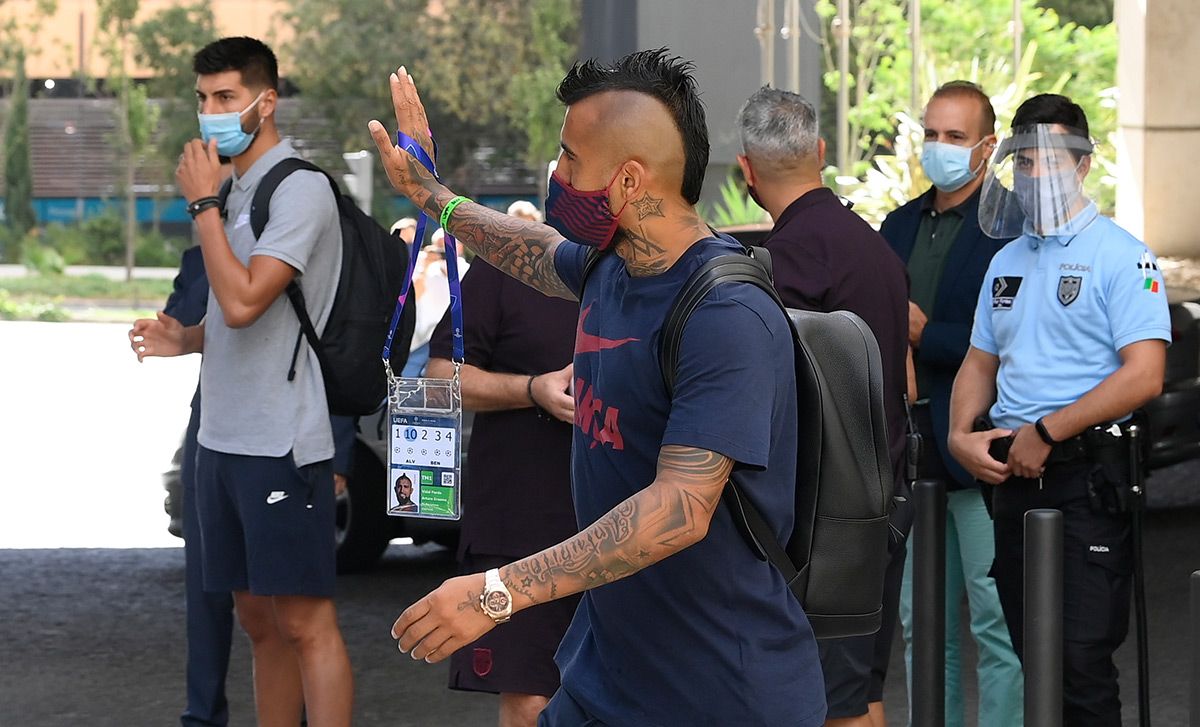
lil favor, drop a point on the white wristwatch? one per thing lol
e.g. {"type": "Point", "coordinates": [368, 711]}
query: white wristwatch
{"type": "Point", "coordinates": [495, 599]}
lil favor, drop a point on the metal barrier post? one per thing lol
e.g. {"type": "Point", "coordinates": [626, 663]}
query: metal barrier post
{"type": "Point", "coordinates": [1043, 618]}
{"type": "Point", "coordinates": [1195, 690]}
{"type": "Point", "coordinates": [929, 604]}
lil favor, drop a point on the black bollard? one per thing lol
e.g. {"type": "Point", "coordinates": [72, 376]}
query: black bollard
{"type": "Point", "coordinates": [1043, 618]}
{"type": "Point", "coordinates": [929, 604]}
{"type": "Point", "coordinates": [1195, 690]}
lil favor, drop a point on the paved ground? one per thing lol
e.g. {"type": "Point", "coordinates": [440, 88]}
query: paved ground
{"type": "Point", "coordinates": [91, 601]}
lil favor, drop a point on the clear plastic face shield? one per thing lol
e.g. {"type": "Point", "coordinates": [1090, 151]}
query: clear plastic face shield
{"type": "Point", "coordinates": [1034, 183]}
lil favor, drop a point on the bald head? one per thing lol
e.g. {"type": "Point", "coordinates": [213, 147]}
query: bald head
{"type": "Point", "coordinates": [644, 106]}
{"type": "Point", "coordinates": [622, 125]}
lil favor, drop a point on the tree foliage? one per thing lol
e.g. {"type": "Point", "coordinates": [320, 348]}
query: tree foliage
{"type": "Point", "coordinates": [1087, 13]}
{"type": "Point", "coordinates": [136, 117]}
{"type": "Point", "coordinates": [1060, 57]}
{"type": "Point", "coordinates": [486, 70]}
{"type": "Point", "coordinates": [18, 169]}
{"type": "Point", "coordinates": [532, 104]}
{"type": "Point", "coordinates": [166, 42]}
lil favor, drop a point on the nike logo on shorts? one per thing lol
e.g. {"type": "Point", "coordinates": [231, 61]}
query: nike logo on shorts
{"type": "Point", "coordinates": [276, 496]}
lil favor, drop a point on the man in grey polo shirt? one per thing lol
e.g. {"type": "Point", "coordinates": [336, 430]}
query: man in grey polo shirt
{"type": "Point", "coordinates": [264, 475]}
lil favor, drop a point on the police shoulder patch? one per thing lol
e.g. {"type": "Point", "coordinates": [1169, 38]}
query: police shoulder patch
{"type": "Point", "coordinates": [1004, 291]}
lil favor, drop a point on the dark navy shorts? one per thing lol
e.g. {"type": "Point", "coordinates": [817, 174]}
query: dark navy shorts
{"type": "Point", "coordinates": [515, 657]}
{"type": "Point", "coordinates": [564, 711]}
{"type": "Point", "coordinates": [266, 526]}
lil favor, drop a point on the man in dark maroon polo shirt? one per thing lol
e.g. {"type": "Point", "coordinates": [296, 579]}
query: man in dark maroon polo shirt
{"type": "Point", "coordinates": [827, 258]}
{"type": "Point", "coordinates": [517, 498]}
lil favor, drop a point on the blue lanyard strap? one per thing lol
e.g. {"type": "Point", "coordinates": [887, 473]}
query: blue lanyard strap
{"type": "Point", "coordinates": [410, 145]}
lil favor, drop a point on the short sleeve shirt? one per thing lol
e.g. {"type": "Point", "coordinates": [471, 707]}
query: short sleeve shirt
{"type": "Point", "coordinates": [1056, 310]}
{"type": "Point", "coordinates": [710, 635]}
{"type": "Point", "coordinates": [517, 495]}
{"type": "Point", "coordinates": [250, 406]}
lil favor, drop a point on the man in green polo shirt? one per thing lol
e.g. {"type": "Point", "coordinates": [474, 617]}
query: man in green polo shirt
{"type": "Point", "coordinates": [939, 238]}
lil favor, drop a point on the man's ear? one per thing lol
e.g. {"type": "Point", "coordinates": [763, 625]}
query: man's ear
{"type": "Point", "coordinates": [631, 180]}
{"type": "Point", "coordinates": [747, 171]}
{"type": "Point", "coordinates": [821, 154]}
{"type": "Point", "coordinates": [266, 105]}
{"type": "Point", "coordinates": [1085, 166]}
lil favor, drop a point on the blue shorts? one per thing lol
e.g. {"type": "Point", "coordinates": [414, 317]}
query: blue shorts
{"type": "Point", "coordinates": [266, 526]}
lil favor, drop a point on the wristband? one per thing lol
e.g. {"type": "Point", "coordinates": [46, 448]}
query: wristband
{"type": "Point", "coordinates": [449, 209]}
{"type": "Point", "coordinates": [196, 207]}
{"type": "Point", "coordinates": [529, 393]}
{"type": "Point", "coordinates": [1044, 433]}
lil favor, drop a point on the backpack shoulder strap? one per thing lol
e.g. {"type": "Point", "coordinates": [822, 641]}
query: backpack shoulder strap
{"type": "Point", "coordinates": [754, 268]}
{"type": "Point", "coordinates": [589, 264]}
{"type": "Point", "coordinates": [223, 194]}
{"type": "Point", "coordinates": [260, 206]}
{"type": "Point", "coordinates": [260, 215]}
{"type": "Point", "coordinates": [748, 268]}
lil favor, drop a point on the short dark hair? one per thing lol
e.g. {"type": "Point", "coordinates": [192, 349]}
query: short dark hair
{"type": "Point", "coordinates": [658, 75]}
{"type": "Point", "coordinates": [403, 477]}
{"type": "Point", "coordinates": [966, 89]}
{"type": "Point", "coordinates": [250, 56]}
{"type": "Point", "coordinates": [1051, 108]}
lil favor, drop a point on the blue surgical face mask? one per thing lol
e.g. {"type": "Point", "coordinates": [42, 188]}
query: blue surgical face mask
{"type": "Point", "coordinates": [227, 130]}
{"type": "Point", "coordinates": [948, 166]}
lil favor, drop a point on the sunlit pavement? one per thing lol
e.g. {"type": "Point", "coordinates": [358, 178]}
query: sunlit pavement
{"type": "Point", "coordinates": [91, 584]}
{"type": "Point", "coordinates": [85, 434]}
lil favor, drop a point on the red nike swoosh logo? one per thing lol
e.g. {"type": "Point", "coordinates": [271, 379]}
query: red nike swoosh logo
{"type": "Point", "coordinates": [587, 343]}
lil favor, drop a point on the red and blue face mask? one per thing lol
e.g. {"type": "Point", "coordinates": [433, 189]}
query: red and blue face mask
{"type": "Point", "coordinates": [582, 217]}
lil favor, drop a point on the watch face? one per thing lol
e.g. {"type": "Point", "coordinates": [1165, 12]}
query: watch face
{"type": "Point", "coordinates": [497, 602]}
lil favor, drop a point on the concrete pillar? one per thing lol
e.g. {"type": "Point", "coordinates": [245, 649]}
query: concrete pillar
{"type": "Point", "coordinates": [1158, 74]}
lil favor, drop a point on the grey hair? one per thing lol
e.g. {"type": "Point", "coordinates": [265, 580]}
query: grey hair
{"type": "Point", "coordinates": [778, 128]}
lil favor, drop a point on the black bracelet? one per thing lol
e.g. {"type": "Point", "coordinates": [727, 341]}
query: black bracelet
{"type": "Point", "coordinates": [1044, 433]}
{"type": "Point", "coordinates": [197, 206]}
{"type": "Point", "coordinates": [529, 392]}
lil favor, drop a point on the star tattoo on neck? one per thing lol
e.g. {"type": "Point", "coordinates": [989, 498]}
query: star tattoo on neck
{"type": "Point", "coordinates": [648, 206]}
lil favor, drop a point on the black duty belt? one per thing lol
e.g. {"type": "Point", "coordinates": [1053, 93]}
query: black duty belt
{"type": "Point", "coordinates": [1097, 442]}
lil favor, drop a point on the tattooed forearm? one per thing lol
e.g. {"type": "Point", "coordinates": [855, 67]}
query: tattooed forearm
{"type": "Point", "coordinates": [524, 250]}
{"type": "Point", "coordinates": [666, 517]}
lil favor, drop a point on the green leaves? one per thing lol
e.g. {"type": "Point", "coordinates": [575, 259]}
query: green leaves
{"type": "Point", "coordinates": [18, 168]}
{"type": "Point", "coordinates": [971, 41]}
{"type": "Point", "coordinates": [736, 207]}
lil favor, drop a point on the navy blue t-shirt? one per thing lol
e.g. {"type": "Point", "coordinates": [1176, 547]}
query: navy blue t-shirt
{"type": "Point", "coordinates": [710, 635]}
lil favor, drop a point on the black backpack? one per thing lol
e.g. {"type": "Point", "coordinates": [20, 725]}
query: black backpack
{"type": "Point", "coordinates": [373, 268]}
{"type": "Point", "coordinates": [835, 559]}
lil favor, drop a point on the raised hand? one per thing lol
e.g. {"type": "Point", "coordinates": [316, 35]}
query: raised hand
{"type": "Point", "coordinates": [407, 175]}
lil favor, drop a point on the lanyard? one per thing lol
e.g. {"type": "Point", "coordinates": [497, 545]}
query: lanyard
{"type": "Point", "coordinates": [456, 320]}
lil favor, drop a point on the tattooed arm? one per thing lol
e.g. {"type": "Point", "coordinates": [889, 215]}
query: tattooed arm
{"type": "Point", "coordinates": [524, 250]}
{"type": "Point", "coordinates": [669, 515]}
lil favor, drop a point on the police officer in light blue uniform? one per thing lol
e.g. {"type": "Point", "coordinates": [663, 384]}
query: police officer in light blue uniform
{"type": "Point", "coordinates": [1069, 338]}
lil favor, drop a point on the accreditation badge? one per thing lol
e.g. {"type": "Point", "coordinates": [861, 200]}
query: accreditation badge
{"type": "Point", "coordinates": [424, 448]}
